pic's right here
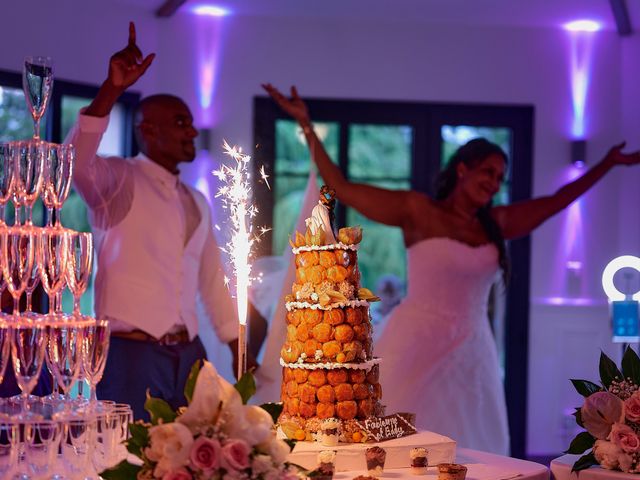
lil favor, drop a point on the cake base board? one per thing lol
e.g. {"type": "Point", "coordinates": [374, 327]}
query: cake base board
{"type": "Point", "coordinates": [351, 456]}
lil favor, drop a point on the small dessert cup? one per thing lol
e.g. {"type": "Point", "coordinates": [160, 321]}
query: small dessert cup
{"type": "Point", "coordinates": [326, 465]}
{"type": "Point", "coordinates": [330, 430]}
{"type": "Point", "coordinates": [451, 471]}
{"type": "Point", "coordinates": [419, 460]}
{"type": "Point", "coordinates": [375, 460]}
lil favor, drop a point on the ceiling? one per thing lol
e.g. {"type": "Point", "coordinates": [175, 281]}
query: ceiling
{"type": "Point", "coordinates": [521, 13]}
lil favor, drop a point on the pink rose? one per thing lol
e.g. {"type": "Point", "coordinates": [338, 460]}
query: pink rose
{"type": "Point", "coordinates": [235, 454]}
{"type": "Point", "coordinates": [179, 474]}
{"type": "Point", "coordinates": [600, 411]}
{"type": "Point", "coordinates": [624, 437]}
{"type": "Point", "coordinates": [205, 453]}
{"type": "Point", "coordinates": [632, 407]}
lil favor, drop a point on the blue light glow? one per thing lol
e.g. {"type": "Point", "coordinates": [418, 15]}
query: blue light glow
{"type": "Point", "coordinates": [582, 26]}
{"type": "Point", "coordinates": [210, 11]}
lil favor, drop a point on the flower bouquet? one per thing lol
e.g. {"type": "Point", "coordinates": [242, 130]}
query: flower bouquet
{"type": "Point", "coordinates": [611, 416]}
{"type": "Point", "coordinates": [217, 436]}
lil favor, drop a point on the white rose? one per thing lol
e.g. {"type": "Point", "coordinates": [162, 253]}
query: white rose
{"type": "Point", "coordinates": [610, 456]}
{"type": "Point", "coordinates": [170, 445]}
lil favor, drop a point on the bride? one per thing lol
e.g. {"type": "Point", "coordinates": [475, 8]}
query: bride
{"type": "Point", "coordinates": [439, 356]}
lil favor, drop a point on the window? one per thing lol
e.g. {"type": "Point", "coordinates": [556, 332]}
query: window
{"type": "Point", "coordinates": [377, 154]}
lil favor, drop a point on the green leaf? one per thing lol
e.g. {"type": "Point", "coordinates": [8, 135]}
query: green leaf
{"type": "Point", "coordinates": [584, 462]}
{"type": "Point", "coordinates": [246, 386]}
{"type": "Point", "coordinates": [139, 439]}
{"type": "Point", "coordinates": [159, 410]}
{"type": "Point", "coordinates": [190, 386]}
{"type": "Point", "coordinates": [608, 370]}
{"type": "Point", "coordinates": [585, 387]}
{"type": "Point", "coordinates": [583, 442]}
{"type": "Point", "coordinates": [123, 471]}
{"type": "Point", "coordinates": [291, 442]}
{"type": "Point", "coordinates": [578, 415]}
{"type": "Point", "coordinates": [631, 365]}
{"type": "Point", "coordinates": [274, 409]}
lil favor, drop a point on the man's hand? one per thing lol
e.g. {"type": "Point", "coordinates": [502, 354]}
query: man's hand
{"type": "Point", "coordinates": [128, 65]}
{"type": "Point", "coordinates": [125, 68]}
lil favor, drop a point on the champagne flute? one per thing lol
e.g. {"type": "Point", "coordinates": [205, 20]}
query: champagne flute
{"type": "Point", "coordinates": [29, 159]}
{"type": "Point", "coordinates": [17, 257]}
{"type": "Point", "coordinates": [6, 178]}
{"type": "Point", "coordinates": [41, 445]}
{"type": "Point", "coordinates": [79, 266]}
{"type": "Point", "coordinates": [64, 352]}
{"type": "Point", "coordinates": [78, 444]}
{"type": "Point", "coordinates": [53, 250]}
{"type": "Point", "coordinates": [95, 347]}
{"type": "Point", "coordinates": [27, 352]}
{"type": "Point", "coordinates": [37, 83]}
{"type": "Point", "coordinates": [32, 284]}
{"type": "Point", "coordinates": [57, 179]}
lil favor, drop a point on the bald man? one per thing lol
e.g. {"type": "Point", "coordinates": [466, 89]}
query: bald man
{"type": "Point", "coordinates": [155, 248]}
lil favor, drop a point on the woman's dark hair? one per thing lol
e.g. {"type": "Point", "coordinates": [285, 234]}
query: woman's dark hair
{"type": "Point", "coordinates": [472, 154]}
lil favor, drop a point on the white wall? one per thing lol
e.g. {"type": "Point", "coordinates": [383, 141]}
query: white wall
{"type": "Point", "coordinates": [406, 61]}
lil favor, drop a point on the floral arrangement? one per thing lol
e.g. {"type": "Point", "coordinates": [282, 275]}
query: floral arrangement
{"type": "Point", "coordinates": [217, 436]}
{"type": "Point", "coordinates": [611, 417]}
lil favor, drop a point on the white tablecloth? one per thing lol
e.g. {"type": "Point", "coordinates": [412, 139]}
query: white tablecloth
{"type": "Point", "coordinates": [561, 470]}
{"type": "Point", "coordinates": [481, 466]}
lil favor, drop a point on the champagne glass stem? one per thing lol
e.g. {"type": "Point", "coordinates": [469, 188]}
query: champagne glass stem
{"type": "Point", "coordinates": [16, 305]}
{"type": "Point", "coordinates": [29, 295]}
{"type": "Point", "coordinates": [52, 303]}
{"type": "Point", "coordinates": [58, 218]}
{"type": "Point", "coordinates": [2, 217]}
{"type": "Point", "coordinates": [28, 213]}
{"type": "Point", "coordinates": [93, 397]}
{"type": "Point", "coordinates": [76, 304]}
{"type": "Point", "coordinates": [49, 216]}
{"type": "Point", "coordinates": [25, 402]}
{"type": "Point", "coordinates": [59, 302]}
{"type": "Point", "coordinates": [36, 128]}
{"type": "Point", "coordinates": [54, 383]}
{"type": "Point", "coordinates": [16, 217]}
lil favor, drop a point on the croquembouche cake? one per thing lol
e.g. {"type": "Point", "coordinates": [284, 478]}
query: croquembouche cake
{"type": "Point", "coordinates": [330, 377]}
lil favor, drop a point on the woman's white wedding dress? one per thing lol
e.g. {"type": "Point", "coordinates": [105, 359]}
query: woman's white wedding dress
{"type": "Point", "coordinates": [439, 358]}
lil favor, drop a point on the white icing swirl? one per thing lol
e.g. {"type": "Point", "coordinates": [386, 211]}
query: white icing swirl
{"type": "Point", "coordinates": [333, 246]}
{"type": "Point", "coordinates": [333, 365]}
{"type": "Point", "coordinates": [316, 306]}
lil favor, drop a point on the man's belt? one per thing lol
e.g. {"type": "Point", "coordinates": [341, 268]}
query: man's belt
{"type": "Point", "coordinates": [168, 339]}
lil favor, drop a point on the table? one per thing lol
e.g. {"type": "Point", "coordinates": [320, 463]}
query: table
{"type": "Point", "coordinates": [481, 466]}
{"type": "Point", "coordinates": [561, 470]}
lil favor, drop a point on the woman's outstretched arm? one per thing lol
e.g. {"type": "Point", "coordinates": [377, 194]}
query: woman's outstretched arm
{"type": "Point", "coordinates": [381, 205]}
{"type": "Point", "coordinates": [521, 218]}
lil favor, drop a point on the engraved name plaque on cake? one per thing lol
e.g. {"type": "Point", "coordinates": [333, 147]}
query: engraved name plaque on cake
{"type": "Point", "coordinates": [397, 425]}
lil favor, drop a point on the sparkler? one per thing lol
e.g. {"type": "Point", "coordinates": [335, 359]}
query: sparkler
{"type": "Point", "coordinates": [235, 194]}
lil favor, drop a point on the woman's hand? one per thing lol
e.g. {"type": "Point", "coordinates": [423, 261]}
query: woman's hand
{"type": "Point", "coordinates": [294, 106]}
{"type": "Point", "coordinates": [616, 157]}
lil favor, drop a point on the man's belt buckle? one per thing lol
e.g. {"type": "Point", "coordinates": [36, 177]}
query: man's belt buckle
{"type": "Point", "coordinates": [171, 339]}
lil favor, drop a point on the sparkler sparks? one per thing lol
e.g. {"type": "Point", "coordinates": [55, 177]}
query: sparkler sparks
{"type": "Point", "coordinates": [235, 194]}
